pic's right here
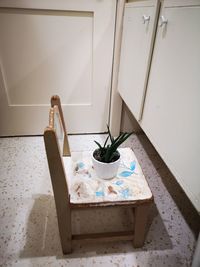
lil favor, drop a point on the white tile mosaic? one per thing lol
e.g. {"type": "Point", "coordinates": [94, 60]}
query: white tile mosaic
{"type": "Point", "coordinates": [28, 225]}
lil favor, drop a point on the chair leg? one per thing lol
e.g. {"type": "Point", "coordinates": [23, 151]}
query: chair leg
{"type": "Point", "coordinates": [66, 246]}
{"type": "Point", "coordinates": [140, 222]}
{"type": "Point", "coordinates": [65, 233]}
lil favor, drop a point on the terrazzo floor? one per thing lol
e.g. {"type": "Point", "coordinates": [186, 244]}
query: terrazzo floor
{"type": "Point", "coordinates": [28, 225]}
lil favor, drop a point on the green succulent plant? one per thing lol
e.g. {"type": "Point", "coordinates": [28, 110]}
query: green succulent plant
{"type": "Point", "coordinates": [108, 152]}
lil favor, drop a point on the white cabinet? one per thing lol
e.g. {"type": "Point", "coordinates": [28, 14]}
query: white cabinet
{"type": "Point", "coordinates": [138, 31]}
{"type": "Point", "coordinates": [171, 116]}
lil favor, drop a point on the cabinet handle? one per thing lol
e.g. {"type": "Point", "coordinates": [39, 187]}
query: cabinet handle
{"type": "Point", "coordinates": [163, 21]}
{"type": "Point", "coordinates": [145, 19]}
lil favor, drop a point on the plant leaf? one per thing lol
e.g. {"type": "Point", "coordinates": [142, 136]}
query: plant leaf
{"type": "Point", "coordinates": [122, 139]}
{"type": "Point", "coordinates": [106, 141]}
{"type": "Point", "coordinates": [109, 133]}
{"type": "Point", "coordinates": [118, 139]}
{"type": "Point", "coordinates": [106, 152]}
{"type": "Point", "coordinates": [98, 144]}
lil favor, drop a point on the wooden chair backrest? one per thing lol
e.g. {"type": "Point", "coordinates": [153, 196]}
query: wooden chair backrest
{"type": "Point", "coordinates": [55, 101]}
{"type": "Point", "coordinates": [54, 139]}
{"type": "Point", "coordinates": [56, 124]}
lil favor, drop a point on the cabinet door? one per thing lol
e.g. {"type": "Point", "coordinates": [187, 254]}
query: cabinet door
{"type": "Point", "coordinates": [137, 39]}
{"type": "Point", "coordinates": [55, 47]}
{"type": "Point", "coordinates": [171, 115]}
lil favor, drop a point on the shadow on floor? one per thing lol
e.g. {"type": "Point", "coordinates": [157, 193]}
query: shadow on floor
{"type": "Point", "coordinates": [184, 204]}
{"type": "Point", "coordinates": [43, 235]}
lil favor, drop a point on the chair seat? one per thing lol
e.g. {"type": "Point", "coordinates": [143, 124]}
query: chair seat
{"type": "Point", "coordinates": [85, 186]}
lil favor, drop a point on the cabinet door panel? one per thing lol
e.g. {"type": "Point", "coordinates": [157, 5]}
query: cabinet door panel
{"type": "Point", "coordinates": [138, 29]}
{"type": "Point", "coordinates": [171, 115]}
{"type": "Point", "coordinates": [55, 47]}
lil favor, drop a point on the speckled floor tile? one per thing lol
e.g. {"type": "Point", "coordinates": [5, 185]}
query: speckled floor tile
{"type": "Point", "coordinates": [28, 225]}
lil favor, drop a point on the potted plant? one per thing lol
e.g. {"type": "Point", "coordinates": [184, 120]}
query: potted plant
{"type": "Point", "coordinates": [106, 158]}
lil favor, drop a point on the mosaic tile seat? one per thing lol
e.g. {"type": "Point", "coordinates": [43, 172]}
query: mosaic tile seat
{"type": "Point", "coordinates": [76, 185]}
{"type": "Point", "coordinates": [85, 186]}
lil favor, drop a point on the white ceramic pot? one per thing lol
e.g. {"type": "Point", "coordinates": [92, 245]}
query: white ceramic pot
{"type": "Point", "coordinates": [106, 170]}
